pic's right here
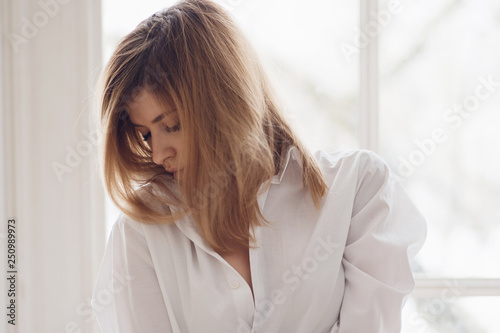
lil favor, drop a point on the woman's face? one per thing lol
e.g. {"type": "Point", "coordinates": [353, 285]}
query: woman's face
{"type": "Point", "coordinates": [160, 127]}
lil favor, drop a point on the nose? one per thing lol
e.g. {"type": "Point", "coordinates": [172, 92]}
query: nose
{"type": "Point", "coordinates": [163, 153]}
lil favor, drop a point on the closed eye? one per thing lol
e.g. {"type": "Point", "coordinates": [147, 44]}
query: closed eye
{"type": "Point", "coordinates": [172, 129]}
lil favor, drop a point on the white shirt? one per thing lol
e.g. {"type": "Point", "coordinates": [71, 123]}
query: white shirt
{"type": "Point", "coordinates": [343, 268]}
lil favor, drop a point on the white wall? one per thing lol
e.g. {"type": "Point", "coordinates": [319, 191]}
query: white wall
{"type": "Point", "coordinates": [51, 51]}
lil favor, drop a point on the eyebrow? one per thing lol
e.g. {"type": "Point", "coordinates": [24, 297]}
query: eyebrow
{"type": "Point", "coordinates": [157, 119]}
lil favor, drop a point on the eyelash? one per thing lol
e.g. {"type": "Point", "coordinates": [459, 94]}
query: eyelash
{"type": "Point", "coordinates": [176, 128]}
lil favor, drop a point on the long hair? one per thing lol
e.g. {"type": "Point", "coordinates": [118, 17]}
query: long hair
{"type": "Point", "coordinates": [194, 57]}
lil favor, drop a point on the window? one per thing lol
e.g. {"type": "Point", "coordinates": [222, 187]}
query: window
{"type": "Point", "coordinates": [419, 83]}
{"type": "Point", "coordinates": [439, 100]}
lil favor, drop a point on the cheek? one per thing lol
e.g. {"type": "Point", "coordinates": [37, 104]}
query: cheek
{"type": "Point", "coordinates": [177, 143]}
{"type": "Point", "coordinates": [180, 149]}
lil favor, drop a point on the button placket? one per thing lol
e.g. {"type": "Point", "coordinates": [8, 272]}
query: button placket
{"type": "Point", "coordinates": [242, 296]}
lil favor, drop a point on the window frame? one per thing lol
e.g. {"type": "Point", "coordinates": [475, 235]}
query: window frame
{"type": "Point", "coordinates": [368, 134]}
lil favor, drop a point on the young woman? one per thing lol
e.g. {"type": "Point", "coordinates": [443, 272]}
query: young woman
{"type": "Point", "coordinates": [229, 224]}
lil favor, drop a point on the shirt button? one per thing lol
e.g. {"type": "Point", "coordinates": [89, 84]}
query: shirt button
{"type": "Point", "coordinates": [235, 285]}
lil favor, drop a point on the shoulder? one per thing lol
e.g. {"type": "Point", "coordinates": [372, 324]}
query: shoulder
{"type": "Point", "coordinates": [127, 228]}
{"type": "Point", "coordinates": [131, 233]}
{"type": "Point", "coordinates": [353, 157]}
{"type": "Point", "coordinates": [358, 164]}
{"type": "Point", "coordinates": [366, 177]}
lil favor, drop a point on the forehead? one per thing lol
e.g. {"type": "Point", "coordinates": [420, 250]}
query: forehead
{"type": "Point", "coordinates": [145, 107]}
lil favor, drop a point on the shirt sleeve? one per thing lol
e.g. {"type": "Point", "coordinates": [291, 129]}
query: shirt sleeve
{"type": "Point", "coordinates": [386, 231]}
{"type": "Point", "coordinates": [127, 296]}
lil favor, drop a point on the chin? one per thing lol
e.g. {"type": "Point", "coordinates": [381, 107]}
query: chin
{"type": "Point", "coordinates": [177, 174]}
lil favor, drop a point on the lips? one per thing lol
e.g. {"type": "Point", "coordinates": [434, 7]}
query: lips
{"type": "Point", "coordinates": [171, 170]}
{"type": "Point", "coordinates": [176, 173]}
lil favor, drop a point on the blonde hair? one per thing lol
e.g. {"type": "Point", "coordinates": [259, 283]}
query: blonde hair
{"type": "Point", "coordinates": [193, 56]}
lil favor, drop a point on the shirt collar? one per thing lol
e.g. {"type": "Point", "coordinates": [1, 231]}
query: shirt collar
{"type": "Point", "coordinates": [291, 153]}
{"type": "Point", "coordinates": [188, 226]}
